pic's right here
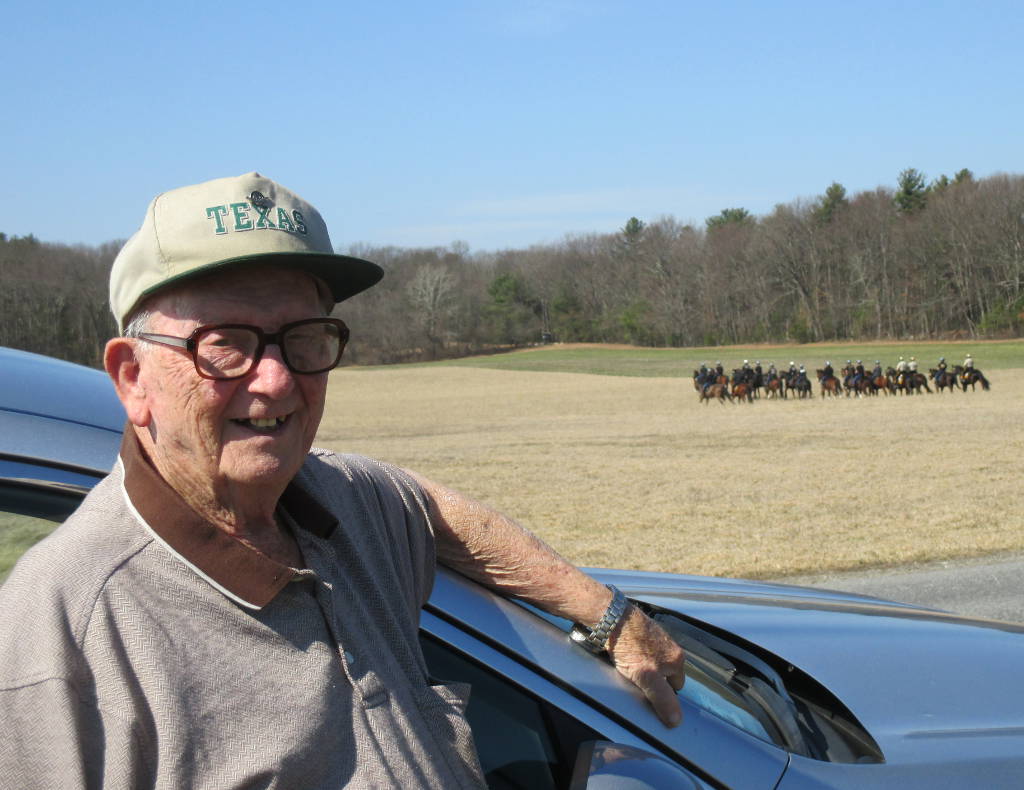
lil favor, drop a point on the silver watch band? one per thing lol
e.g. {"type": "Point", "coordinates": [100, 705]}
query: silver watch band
{"type": "Point", "coordinates": [596, 639]}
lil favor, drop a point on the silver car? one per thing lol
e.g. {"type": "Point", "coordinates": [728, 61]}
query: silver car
{"type": "Point", "coordinates": [786, 688]}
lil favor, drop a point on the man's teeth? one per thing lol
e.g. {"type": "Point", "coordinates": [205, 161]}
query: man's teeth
{"type": "Point", "coordinates": [268, 422]}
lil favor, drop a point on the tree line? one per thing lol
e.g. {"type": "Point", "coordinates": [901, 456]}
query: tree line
{"type": "Point", "coordinates": [926, 259]}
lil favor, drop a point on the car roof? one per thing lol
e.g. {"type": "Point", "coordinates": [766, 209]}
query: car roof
{"type": "Point", "coordinates": [74, 421]}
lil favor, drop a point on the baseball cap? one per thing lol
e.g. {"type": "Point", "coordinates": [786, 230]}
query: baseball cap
{"type": "Point", "coordinates": [225, 223]}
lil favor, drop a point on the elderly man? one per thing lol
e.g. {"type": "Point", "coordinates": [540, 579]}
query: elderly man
{"type": "Point", "coordinates": [229, 608]}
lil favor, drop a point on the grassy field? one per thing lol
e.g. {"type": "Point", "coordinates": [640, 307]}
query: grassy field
{"type": "Point", "coordinates": [610, 457]}
{"type": "Point", "coordinates": [675, 362]}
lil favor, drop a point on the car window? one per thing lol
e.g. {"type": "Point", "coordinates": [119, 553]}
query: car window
{"type": "Point", "coordinates": [17, 533]}
{"type": "Point", "coordinates": [30, 509]}
{"type": "Point", "coordinates": [522, 741]}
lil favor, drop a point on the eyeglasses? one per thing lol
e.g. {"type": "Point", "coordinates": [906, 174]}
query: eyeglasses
{"type": "Point", "coordinates": [231, 351]}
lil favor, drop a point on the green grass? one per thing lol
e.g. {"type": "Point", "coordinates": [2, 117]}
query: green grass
{"type": "Point", "coordinates": [681, 362]}
{"type": "Point", "coordinates": [17, 534]}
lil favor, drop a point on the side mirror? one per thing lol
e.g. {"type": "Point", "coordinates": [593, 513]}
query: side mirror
{"type": "Point", "coordinates": [603, 765]}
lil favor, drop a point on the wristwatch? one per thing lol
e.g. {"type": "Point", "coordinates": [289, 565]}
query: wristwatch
{"type": "Point", "coordinates": [596, 639]}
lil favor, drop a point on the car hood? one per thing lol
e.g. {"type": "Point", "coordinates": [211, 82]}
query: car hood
{"type": "Point", "coordinates": [919, 680]}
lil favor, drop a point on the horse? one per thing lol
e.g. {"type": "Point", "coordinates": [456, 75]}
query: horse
{"type": "Point", "coordinates": [829, 384]}
{"type": "Point", "coordinates": [916, 381]}
{"type": "Point", "coordinates": [788, 382]}
{"type": "Point", "coordinates": [970, 376]}
{"type": "Point", "coordinates": [741, 391]}
{"type": "Point", "coordinates": [773, 388]}
{"type": "Point", "coordinates": [943, 379]}
{"type": "Point", "coordinates": [720, 391]}
{"type": "Point", "coordinates": [800, 383]}
{"type": "Point", "coordinates": [885, 384]}
{"type": "Point", "coordinates": [900, 381]}
{"type": "Point", "coordinates": [757, 383]}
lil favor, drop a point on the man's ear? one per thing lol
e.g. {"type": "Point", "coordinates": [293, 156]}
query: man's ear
{"type": "Point", "coordinates": [123, 366]}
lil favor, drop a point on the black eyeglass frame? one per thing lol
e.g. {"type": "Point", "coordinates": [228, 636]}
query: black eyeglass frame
{"type": "Point", "coordinates": [265, 339]}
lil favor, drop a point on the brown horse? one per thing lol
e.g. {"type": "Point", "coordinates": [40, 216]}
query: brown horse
{"type": "Point", "coordinates": [829, 384]}
{"type": "Point", "coordinates": [743, 390]}
{"type": "Point", "coordinates": [720, 391]}
{"type": "Point", "coordinates": [884, 383]}
{"type": "Point", "coordinates": [773, 388]}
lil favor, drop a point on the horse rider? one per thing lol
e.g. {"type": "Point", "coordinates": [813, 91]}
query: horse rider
{"type": "Point", "coordinates": [772, 372]}
{"type": "Point", "coordinates": [827, 372]}
{"type": "Point", "coordinates": [792, 369]}
{"type": "Point", "coordinates": [703, 374]}
{"type": "Point", "coordinates": [858, 373]}
{"type": "Point", "coordinates": [877, 372]}
{"type": "Point", "coordinates": [912, 365]}
{"type": "Point", "coordinates": [719, 370]}
{"type": "Point", "coordinates": [801, 375]}
{"type": "Point", "coordinates": [940, 369]}
{"type": "Point", "coordinates": [901, 370]}
{"type": "Point", "coordinates": [973, 373]}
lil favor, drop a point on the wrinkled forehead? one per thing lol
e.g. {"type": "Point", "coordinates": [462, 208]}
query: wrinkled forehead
{"type": "Point", "coordinates": [244, 295]}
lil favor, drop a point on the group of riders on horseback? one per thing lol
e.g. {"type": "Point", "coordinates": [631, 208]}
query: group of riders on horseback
{"type": "Point", "coordinates": [904, 378]}
{"type": "Point", "coordinates": [747, 381]}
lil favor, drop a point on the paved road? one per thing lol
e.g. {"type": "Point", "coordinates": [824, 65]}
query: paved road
{"type": "Point", "coordinates": [982, 588]}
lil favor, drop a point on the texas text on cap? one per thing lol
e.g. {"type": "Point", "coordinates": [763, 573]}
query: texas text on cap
{"type": "Point", "coordinates": [224, 223]}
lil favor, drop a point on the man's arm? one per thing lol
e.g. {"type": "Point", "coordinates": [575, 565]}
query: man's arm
{"type": "Point", "coordinates": [490, 548]}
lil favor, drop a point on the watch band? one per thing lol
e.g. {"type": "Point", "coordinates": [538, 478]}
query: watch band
{"type": "Point", "coordinates": [596, 639]}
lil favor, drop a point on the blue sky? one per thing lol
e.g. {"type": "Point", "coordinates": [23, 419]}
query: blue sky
{"type": "Point", "coordinates": [500, 124]}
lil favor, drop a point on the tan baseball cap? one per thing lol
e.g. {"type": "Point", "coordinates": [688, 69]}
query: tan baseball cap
{"type": "Point", "coordinates": [228, 222]}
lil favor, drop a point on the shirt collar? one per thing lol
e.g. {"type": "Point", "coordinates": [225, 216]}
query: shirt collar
{"type": "Point", "coordinates": [244, 574]}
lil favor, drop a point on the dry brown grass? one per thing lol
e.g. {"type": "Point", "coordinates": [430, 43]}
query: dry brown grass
{"type": "Point", "coordinates": [633, 472]}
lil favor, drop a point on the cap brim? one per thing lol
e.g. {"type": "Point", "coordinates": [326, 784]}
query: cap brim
{"type": "Point", "coordinates": [344, 275]}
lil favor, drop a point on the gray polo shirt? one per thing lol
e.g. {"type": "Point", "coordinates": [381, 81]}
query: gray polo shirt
{"type": "Point", "coordinates": [142, 647]}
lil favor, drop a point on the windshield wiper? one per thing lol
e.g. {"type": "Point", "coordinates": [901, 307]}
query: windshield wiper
{"type": "Point", "coordinates": [747, 675]}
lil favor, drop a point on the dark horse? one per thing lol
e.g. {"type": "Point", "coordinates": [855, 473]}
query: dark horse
{"type": "Point", "coordinates": [970, 377]}
{"type": "Point", "coordinates": [900, 381]}
{"type": "Point", "coordinates": [943, 379]}
{"type": "Point", "coordinates": [917, 380]}
{"type": "Point", "coordinates": [798, 382]}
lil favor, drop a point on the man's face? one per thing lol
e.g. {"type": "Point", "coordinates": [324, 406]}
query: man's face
{"type": "Point", "coordinates": [218, 433]}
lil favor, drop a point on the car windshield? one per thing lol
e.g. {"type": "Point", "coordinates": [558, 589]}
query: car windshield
{"type": "Point", "coordinates": [741, 684]}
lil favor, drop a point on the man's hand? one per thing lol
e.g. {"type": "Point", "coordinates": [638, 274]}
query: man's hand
{"type": "Point", "coordinates": [645, 654]}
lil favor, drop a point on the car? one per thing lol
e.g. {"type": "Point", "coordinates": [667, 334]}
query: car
{"type": "Point", "coordinates": [787, 687]}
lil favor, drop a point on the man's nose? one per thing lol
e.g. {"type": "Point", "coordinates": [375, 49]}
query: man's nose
{"type": "Point", "coordinates": [271, 375]}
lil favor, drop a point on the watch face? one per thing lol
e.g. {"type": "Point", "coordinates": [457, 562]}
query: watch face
{"type": "Point", "coordinates": [583, 639]}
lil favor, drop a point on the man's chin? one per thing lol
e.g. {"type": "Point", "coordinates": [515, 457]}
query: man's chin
{"type": "Point", "coordinates": [265, 469]}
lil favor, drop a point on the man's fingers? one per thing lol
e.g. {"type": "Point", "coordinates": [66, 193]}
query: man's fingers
{"type": "Point", "coordinates": [649, 657]}
{"type": "Point", "coordinates": [663, 699]}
